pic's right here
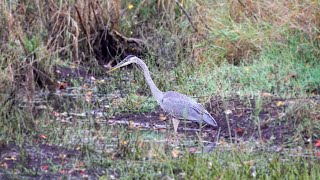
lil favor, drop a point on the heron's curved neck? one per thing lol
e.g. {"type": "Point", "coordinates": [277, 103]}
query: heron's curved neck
{"type": "Point", "coordinates": [154, 89]}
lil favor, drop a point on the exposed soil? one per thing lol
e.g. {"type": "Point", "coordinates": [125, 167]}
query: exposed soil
{"type": "Point", "coordinates": [274, 121]}
{"type": "Point", "coordinates": [38, 162]}
{"type": "Point", "coordinates": [269, 120]}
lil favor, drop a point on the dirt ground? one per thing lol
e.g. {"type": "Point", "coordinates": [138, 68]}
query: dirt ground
{"type": "Point", "coordinates": [268, 120]}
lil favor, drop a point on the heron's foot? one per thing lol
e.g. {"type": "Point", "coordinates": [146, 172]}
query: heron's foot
{"type": "Point", "coordinates": [175, 123]}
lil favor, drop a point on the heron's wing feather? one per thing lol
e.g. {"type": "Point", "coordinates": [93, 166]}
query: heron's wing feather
{"type": "Point", "coordinates": [183, 107]}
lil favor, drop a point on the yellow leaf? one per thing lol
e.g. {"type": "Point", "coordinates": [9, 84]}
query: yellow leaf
{"type": "Point", "coordinates": [123, 142]}
{"type": "Point", "coordinates": [130, 6]}
{"type": "Point", "coordinates": [280, 103]}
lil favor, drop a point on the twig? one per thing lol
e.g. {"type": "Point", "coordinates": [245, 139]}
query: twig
{"type": "Point", "coordinates": [185, 13]}
{"type": "Point", "coordinates": [81, 22]}
{"type": "Point", "coordinates": [129, 40]}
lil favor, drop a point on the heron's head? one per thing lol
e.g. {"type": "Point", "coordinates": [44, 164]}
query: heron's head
{"type": "Point", "coordinates": [126, 61]}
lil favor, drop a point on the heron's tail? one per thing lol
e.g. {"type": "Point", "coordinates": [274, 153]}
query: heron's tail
{"type": "Point", "coordinates": [209, 119]}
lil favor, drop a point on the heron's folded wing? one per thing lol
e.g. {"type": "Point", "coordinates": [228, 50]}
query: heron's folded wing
{"type": "Point", "coordinates": [182, 106]}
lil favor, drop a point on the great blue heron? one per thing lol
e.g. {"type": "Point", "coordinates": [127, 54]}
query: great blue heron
{"type": "Point", "coordinates": [176, 104]}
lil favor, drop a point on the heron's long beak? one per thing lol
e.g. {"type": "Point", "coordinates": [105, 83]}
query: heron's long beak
{"type": "Point", "coordinates": [118, 66]}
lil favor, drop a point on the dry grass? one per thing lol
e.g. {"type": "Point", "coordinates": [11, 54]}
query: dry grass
{"type": "Point", "coordinates": [274, 45]}
{"type": "Point", "coordinates": [34, 37]}
{"type": "Point", "coordinates": [252, 25]}
{"type": "Point", "coordinates": [37, 35]}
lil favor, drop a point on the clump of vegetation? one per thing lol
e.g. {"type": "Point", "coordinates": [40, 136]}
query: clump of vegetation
{"type": "Point", "coordinates": [263, 50]}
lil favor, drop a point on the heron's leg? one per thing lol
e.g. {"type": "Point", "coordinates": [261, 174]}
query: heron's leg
{"type": "Point", "coordinates": [175, 123]}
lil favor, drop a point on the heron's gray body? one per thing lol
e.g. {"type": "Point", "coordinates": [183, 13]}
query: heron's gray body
{"type": "Point", "coordinates": [178, 105]}
{"type": "Point", "coordinates": [181, 106]}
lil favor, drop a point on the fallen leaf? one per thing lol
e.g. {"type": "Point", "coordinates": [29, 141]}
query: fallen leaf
{"type": "Point", "coordinates": [239, 130]}
{"type": "Point", "coordinates": [131, 125]}
{"type": "Point", "coordinates": [123, 142]}
{"type": "Point", "coordinates": [100, 81]}
{"type": "Point", "coordinates": [62, 171]}
{"type": "Point", "coordinates": [10, 158]}
{"type": "Point", "coordinates": [55, 113]}
{"type": "Point", "coordinates": [44, 167]}
{"type": "Point", "coordinates": [86, 86]}
{"type": "Point", "coordinates": [175, 153]}
{"type": "Point", "coordinates": [162, 117]}
{"type": "Point", "coordinates": [192, 150]}
{"type": "Point", "coordinates": [317, 143]}
{"type": "Point", "coordinates": [89, 93]}
{"type": "Point", "coordinates": [82, 172]}
{"type": "Point", "coordinates": [42, 136]}
{"type": "Point", "coordinates": [61, 85]}
{"type": "Point", "coordinates": [4, 165]}
{"type": "Point", "coordinates": [80, 164]}
{"type": "Point", "coordinates": [130, 6]}
{"type": "Point", "coordinates": [266, 94]}
{"type": "Point", "coordinates": [280, 103]}
{"type": "Point", "coordinates": [87, 98]}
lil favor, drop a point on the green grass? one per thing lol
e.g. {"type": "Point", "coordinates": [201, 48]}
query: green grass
{"type": "Point", "coordinates": [285, 63]}
{"type": "Point", "coordinates": [281, 69]}
{"type": "Point", "coordinates": [277, 71]}
{"type": "Point", "coordinates": [223, 165]}
{"type": "Point", "coordinates": [142, 154]}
